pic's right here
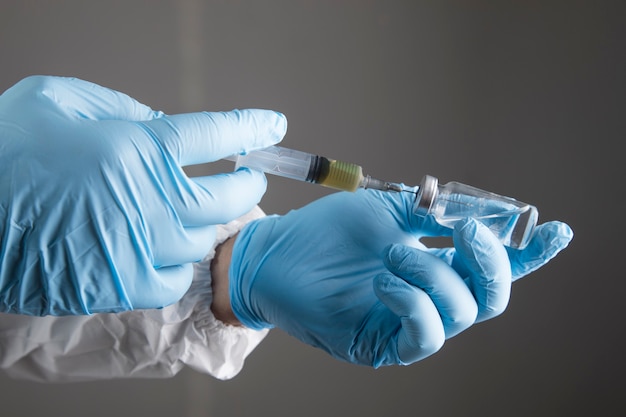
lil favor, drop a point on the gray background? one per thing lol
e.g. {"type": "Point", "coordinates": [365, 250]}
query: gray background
{"type": "Point", "coordinates": [523, 98]}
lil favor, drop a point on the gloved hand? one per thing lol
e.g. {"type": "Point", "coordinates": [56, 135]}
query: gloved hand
{"type": "Point", "coordinates": [348, 274]}
{"type": "Point", "coordinates": [96, 212]}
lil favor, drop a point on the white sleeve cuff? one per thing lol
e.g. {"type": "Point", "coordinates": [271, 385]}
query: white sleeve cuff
{"type": "Point", "coordinates": [135, 344]}
{"type": "Point", "coordinates": [214, 347]}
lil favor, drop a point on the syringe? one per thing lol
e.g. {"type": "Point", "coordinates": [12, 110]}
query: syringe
{"type": "Point", "coordinates": [313, 168]}
{"type": "Point", "coordinates": [510, 220]}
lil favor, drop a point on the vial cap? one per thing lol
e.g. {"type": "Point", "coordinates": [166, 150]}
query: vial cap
{"type": "Point", "coordinates": [426, 195]}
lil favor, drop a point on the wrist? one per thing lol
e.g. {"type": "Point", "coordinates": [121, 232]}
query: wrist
{"type": "Point", "coordinates": [220, 305]}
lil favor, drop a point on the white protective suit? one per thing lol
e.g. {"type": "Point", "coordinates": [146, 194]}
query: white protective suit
{"type": "Point", "coordinates": [139, 344]}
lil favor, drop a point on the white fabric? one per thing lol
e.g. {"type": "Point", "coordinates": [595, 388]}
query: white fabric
{"type": "Point", "coordinates": [137, 344]}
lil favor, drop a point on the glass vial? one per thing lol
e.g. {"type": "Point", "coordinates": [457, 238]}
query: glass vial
{"type": "Point", "coordinates": [510, 220]}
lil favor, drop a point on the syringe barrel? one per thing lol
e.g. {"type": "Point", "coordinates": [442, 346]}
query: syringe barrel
{"type": "Point", "coordinates": [280, 161]}
{"type": "Point", "coordinates": [303, 166]}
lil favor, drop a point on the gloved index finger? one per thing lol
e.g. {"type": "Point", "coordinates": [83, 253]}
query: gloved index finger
{"type": "Point", "coordinates": [195, 138]}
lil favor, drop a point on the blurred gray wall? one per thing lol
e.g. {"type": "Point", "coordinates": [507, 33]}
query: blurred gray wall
{"type": "Point", "coordinates": [524, 98]}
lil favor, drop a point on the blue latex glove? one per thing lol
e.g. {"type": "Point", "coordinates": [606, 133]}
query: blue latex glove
{"type": "Point", "coordinates": [96, 213]}
{"type": "Point", "coordinates": [347, 274]}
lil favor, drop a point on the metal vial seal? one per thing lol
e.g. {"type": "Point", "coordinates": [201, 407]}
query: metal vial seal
{"type": "Point", "coordinates": [426, 195]}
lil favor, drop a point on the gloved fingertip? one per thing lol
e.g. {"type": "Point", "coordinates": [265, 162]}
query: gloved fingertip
{"type": "Point", "coordinates": [560, 234]}
{"type": "Point", "coordinates": [395, 293]}
{"type": "Point", "coordinates": [551, 238]}
{"type": "Point", "coordinates": [480, 249]}
{"type": "Point", "coordinates": [254, 173]}
{"type": "Point", "coordinates": [388, 283]}
{"type": "Point", "coordinates": [394, 250]}
{"type": "Point", "coordinates": [281, 122]}
{"type": "Point", "coordinates": [473, 231]}
{"type": "Point", "coordinates": [279, 127]}
{"type": "Point", "coordinates": [253, 180]}
{"type": "Point", "coordinates": [382, 283]}
{"type": "Point", "coordinates": [468, 232]}
{"type": "Point", "coordinates": [397, 256]}
{"type": "Point", "coordinates": [467, 229]}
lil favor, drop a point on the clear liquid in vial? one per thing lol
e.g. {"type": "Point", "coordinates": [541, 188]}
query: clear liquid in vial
{"type": "Point", "coordinates": [510, 220]}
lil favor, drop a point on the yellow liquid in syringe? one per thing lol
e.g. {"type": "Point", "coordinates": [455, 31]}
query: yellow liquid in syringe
{"type": "Point", "coordinates": [340, 175]}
